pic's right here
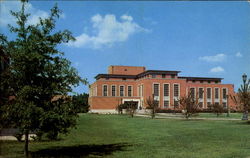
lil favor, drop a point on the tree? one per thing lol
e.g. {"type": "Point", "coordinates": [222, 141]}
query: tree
{"type": "Point", "coordinates": [131, 107]}
{"type": "Point", "coordinates": [152, 104]}
{"type": "Point", "coordinates": [217, 109]}
{"type": "Point", "coordinates": [242, 98]}
{"type": "Point", "coordinates": [80, 103]}
{"type": "Point", "coordinates": [37, 72]}
{"type": "Point", "coordinates": [189, 104]}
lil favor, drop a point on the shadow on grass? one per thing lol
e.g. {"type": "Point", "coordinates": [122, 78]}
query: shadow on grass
{"type": "Point", "coordinates": [79, 151]}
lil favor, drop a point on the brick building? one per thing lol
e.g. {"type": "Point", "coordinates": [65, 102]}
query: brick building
{"type": "Point", "coordinates": [132, 83]}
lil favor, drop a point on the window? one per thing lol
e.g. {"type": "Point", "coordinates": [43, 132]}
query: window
{"type": "Point", "coordinates": [176, 90]}
{"type": "Point", "coordinates": [163, 75]}
{"type": "Point", "coordinates": [200, 93]}
{"type": "Point", "coordinates": [209, 105]}
{"type": "Point", "coordinates": [123, 78]}
{"type": "Point", "coordinates": [224, 105]}
{"type": "Point", "coordinates": [141, 90]}
{"type": "Point", "coordinates": [172, 76]}
{"type": "Point", "coordinates": [166, 89]}
{"type": "Point", "coordinates": [224, 93]}
{"type": "Point", "coordinates": [121, 91]}
{"type": "Point", "coordinates": [192, 92]}
{"type": "Point", "coordinates": [156, 89]}
{"type": "Point", "coordinates": [129, 91]}
{"type": "Point", "coordinates": [209, 93]}
{"type": "Point", "coordinates": [154, 76]}
{"type": "Point", "coordinates": [176, 103]}
{"type": "Point", "coordinates": [105, 90]}
{"type": "Point", "coordinates": [216, 93]}
{"type": "Point", "coordinates": [208, 81]}
{"type": "Point", "coordinates": [113, 87]}
{"type": "Point", "coordinates": [193, 81]}
{"type": "Point", "coordinates": [201, 81]}
{"type": "Point", "coordinates": [166, 103]}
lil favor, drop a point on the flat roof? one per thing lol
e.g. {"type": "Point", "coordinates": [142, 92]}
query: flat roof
{"type": "Point", "coordinates": [201, 78]}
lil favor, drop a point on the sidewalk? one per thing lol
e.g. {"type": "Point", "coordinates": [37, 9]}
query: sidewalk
{"type": "Point", "coordinates": [180, 116]}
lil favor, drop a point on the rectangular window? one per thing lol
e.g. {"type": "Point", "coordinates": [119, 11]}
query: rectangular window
{"type": "Point", "coordinates": [172, 76]}
{"type": "Point", "coordinates": [166, 103]}
{"type": "Point", "coordinates": [113, 90]}
{"type": "Point", "coordinates": [224, 105]}
{"type": "Point", "coordinates": [121, 91]}
{"type": "Point", "coordinates": [129, 91]}
{"type": "Point", "coordinates": [209, 93]}
{"type": "Point", "coordinates": [156, 89]}
{"type": "Point", "coordinates": [176, 103]}
{"type": "Point", "coordinates": [176, 90]}
{"type": "Point", "coordinates": [216, 93]}
{"type": "Point", "coordinates": [209, 105]}
{"type": "Point", "coordinates": [192, 92]}
{"type": "Point", "coordinates": [163, 76]}
{"type": "Point", "coordinates": [166, 89]}
{"type": "Point", "coordinates": [141, 90]}
{"type": "Point", "coordinates": [154, 76]}
{"type": "Point", "coordinates": [105, 90]}
{"type": "Point", "coordinates": [224, 93]}
{"type": "Point", "coordinates": [201, 93]}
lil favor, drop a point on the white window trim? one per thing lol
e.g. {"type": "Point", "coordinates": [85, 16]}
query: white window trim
{"type": "Point", "coordinates": [123, 90]}
{"type": "Point", "coordinates": [156, 97]}
{"type": "Point", "coordinates": [217, 99]}
{"type": "Point", "coordinates": [112, 90]}
{"type": "Point", "coordinates": [103, 90]}
{"type": "Point", "coordinates": [224, 100]}
{"type": "Point", "coordinates": [166, 98]}
{"type": "Point", "coordinates": [178, 97]}
{"type": "Point", "coordinates": [131, 90]}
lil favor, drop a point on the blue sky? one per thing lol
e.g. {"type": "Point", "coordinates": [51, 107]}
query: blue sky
{"type": "Point", "coordinates": [201, 39]}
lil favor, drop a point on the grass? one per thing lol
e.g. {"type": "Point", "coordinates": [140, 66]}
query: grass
{"type": "Point", "coordinates": [121, 136]}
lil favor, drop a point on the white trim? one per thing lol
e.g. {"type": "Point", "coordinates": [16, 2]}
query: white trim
{"type": "Point", "coordinates": [131, 90]}
{"type": "Point", "coordinates": [166, 98]}
{"type": "Point", "coordinates": [224, 100]}
{"type": "Point", "coordinates": [112, 90]}
{"type": "Point", "coordinates": [103, 90]}
{"type": "Point", "coordinates": [176, 97]}
{"type": "Point", "coordinates": [138, 100]}
{"type": "Point", "coordinates": [201, 100]}
{"type": "Point", "coordinates": [217, 99]}
{"type": "Point", "coordinates": [123, 90]}
{"type": "Point", "coordinates": [156, 97]}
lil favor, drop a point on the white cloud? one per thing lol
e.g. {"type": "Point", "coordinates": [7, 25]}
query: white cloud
{"type": "Point", "coordinates": [217, 58]}
{"type": "Point", "coordinates": [217, 69]}
{"type": "Point", "coordinates": [238, 54]}
{"type": "Point", "coordinates": [6, 18]}
{"type": "Point", "coordinates": [107, 31]}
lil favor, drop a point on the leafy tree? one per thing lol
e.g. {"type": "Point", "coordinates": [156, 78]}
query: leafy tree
{"type": "Point", "coordinates": [189, 104]}
{"type": "Point", "coordinates": [217, 109]}
{"type": "Point", "coordinates": [152, 104]}
{"type": "Point", "coordinates": [80, 102]}
{"type": "Point", "coordinates": [242, 98]}
{"type": "Point", "coordinates": [131, 107]}
{"type": "Point", "coordinates": [37, 72]}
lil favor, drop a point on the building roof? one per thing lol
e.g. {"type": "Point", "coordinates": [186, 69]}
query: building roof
{"type": "Point", "coordinates": [201, 78]}
{"type": "Point", "coordinates": [136, 76]}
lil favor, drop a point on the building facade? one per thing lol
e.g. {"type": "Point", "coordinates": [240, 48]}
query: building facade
{"type": "Point", "coordinates": [136, 84]}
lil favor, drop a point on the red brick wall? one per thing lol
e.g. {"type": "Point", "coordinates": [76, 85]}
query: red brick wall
{"type": "Point", "coordinates": [126, 70]}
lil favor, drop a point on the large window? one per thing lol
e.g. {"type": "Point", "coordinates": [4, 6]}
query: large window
{"type": "Point", "coordinates": [192, 92]}
{"type": "Point", "coordinates": [209, 95]}
{"type": "Point", "coordinates": [224, 93]}
{"type": "Point", "coordinates": [129, 91]}
{"type": "Point", "coordinates": [166, 89]}
{"type": "Point", "coordinates": [121, 91]}
{"type": "Point", "coordinates": [105, 90]}
{"type": "Point", "coordinates": [156, 89]}
{"type": "Point", "coordinates": [200, 93]}
{"type": "Point", "coordinates": [216, 93]}
{"type": "Point", "coordinates": [176, 90]}
{"type": "Point", "coordinates": [113, 87]}
{"type": "Point", "coordinates": [166, 103]}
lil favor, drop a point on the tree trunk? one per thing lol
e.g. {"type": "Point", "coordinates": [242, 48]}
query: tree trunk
{"type": "Point", "coordinates": [26, 145]}
{"type": "Point", "coordinates": [245, 115]}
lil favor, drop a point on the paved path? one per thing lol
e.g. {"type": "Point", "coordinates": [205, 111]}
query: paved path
{"type": "Point", "coordinates": [167, 116]}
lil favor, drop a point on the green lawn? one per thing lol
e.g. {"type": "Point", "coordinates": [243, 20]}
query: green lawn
{"type": "Point", "coordinates": [122, 136]}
